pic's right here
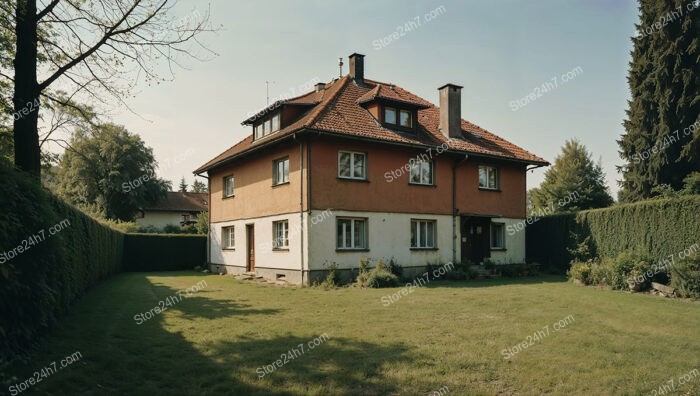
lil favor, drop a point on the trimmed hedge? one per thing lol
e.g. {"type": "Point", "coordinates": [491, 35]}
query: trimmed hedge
{"type": "Point", "coordinates": [654, 229]}
{"type": "Point", "coordinates": [163, 252]}
{"type": "Point", "coordinates": [50, 253]}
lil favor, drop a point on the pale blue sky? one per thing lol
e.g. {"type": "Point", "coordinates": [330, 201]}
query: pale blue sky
{"type": "Point", "coordinates": [499, 52]}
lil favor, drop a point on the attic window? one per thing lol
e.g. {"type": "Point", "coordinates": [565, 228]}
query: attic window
{"type": "Point", "coordinates": [266, 125]}
{"type": "Point", "coordinates": [401, 118]}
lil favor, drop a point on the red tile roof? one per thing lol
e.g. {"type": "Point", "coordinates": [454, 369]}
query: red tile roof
{"type": "Point", "coordinates": [338, 111]}
{"type": "Point", "coordinates": [178, 201]}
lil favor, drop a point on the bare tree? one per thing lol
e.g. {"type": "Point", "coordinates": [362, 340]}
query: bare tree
{"type": "Point", "coordinates": [101, 49]}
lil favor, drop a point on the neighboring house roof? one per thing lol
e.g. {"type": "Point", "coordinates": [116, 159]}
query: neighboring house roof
{"type": "Point", "coordinates": [178, 201]}
{"type": "Point", "coordinates": [339, 111]}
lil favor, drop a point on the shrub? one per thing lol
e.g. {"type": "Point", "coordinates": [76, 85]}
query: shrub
{"type": "Point", "coordinates": [395, 268]}
{"type": "Point", "coordinates": [514, 270]}
{"type": "Point", "coordinates": [685, 277]}
{"type": "Point", "coordinates": [331, 280]}
{"type": "Point", "coordinates": [581, 272]}
{"type": "Point", "coordinates": [379, 276]}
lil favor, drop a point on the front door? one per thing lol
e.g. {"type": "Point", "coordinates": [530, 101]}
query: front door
{"type": "Point", "coordinates": [475, 239]}
{"type": "Point", "coordinates": [250, 246]}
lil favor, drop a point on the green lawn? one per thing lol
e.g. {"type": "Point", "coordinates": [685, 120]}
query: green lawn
{"type": "Point", "coordinates": [441, 335]}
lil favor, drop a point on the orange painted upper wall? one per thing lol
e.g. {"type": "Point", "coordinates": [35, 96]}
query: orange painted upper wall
{"type": "Point", "coordinates": [254, 195]}
{"type": "Point", "coordinates": [385, 191]}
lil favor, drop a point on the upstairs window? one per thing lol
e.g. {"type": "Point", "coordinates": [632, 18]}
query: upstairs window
{"type": "Point", "coordinates": [405, 119]}
{"type": "Point", "coordinates": [390, 115]}
{"type": "Point", "coordinates": [266, 126]}
{"type": "Point", "coordinates": [280, 171]}
{"type": "Point", "coordinates": [421, 173]}
{"type": "Point", "coordinates": [352, 165]}
{"type": "Point", "coordinates": [228, 186]}
{"type": "Point", "coordinates": [488, 177]}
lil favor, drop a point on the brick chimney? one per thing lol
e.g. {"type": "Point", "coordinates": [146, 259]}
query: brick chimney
{"type": "Point", "coordinates": [357, 67]}
{"type": "Point", "coordinates": [451, 110]}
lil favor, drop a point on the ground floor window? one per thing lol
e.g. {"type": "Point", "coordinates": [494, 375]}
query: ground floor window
{"type": "Point", "coordinates": [498, 236]}
{"type": "Point", "coordinates": [423, 234]}
{"type": "Point", "coordinates": [280, 233]}
{"type": "Point", "coordinates": [228, 240]}
{"type": "Point", "coordinates": [351, 234]}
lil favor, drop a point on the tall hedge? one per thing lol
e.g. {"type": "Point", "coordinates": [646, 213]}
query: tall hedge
{"type": "Point", "coordinates": [163, 252]}
{"type": "Point", "coordinates": [654, 229]}
{"type": "Point", "coordinates": [42, 274]}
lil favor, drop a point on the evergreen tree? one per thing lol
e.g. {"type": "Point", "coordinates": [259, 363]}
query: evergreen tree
{"type": "Point", "coordinates": [183, 185]}
{"type": "Point", "coordinates": [661, 144]}
{"type": "Point", "coordinates": [574, 182]}
{"type": "Point", "coordinates": [199, 187]}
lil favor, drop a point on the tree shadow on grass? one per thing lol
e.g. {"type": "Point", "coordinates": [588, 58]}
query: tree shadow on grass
{"type": "Point", "coordinates": [164, 356]}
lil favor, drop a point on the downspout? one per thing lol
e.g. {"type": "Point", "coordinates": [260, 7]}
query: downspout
{"type": "Point", "coordinates": [301, 204]}
{"type": "Point", "coordinates": [308, 187]}
{"type": "Point", "coordinates": [454, 206]}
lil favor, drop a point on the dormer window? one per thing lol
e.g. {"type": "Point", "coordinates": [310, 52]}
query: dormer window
{"type": "Point", "coordinates": [398, 118]}
{"type": "Point", "coordinates": [267, 125]}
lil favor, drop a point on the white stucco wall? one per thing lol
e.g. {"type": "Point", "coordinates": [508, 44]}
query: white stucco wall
{"type": "Point", "coordinates": [389, 236]}
{"type": "Point", "coordinates": [265, 256]}
{"type": "Point", "coordinates": [160, 219]}
{"type": "Point", "coordinates": [515, 243]}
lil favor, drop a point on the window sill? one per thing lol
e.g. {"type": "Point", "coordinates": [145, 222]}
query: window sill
{"type": "Point", "coordinates": [228, 249]}
{"type": "Point", "coordinates": [424, 248]}
{"type": "Point", "coordinates": [280, 249]}
{"type": "Point", "coordinates": [280, 184]}
{"type": "Point", "coordinates": [493, 249]}
{"type": "Point", "coordinates": [353, 180]}
{"type": "Point", "coordinates": [351, 250]}
{"type": "Point", "coordinates": [422, 185]}
{"type": "Point", "coordinates": [489, 189]}
{"type": "Point", "coordinates": [227, 197]}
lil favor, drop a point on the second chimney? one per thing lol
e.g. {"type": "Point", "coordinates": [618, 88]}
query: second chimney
{"type": "Point", "coordinates": [451, 110]}
{"type": "Point", "coordinates": [357, 67]}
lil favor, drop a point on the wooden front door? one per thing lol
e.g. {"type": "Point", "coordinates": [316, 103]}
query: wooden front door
{"type": "Point", "coordinates": [250, 246]}
{"type": "Point", "coordinates": [475, 239]}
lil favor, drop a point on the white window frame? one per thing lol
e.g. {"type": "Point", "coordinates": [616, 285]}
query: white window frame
{"type": "Point", "coordinates": [502, 227]}
{"type": "Point", "coordinates": [417, 223]}
{"type": "Point", "coordinates": [396, 115]}
{"type": "Point", "coordinates": [283, 237]}
{"type": "Point", "coordinates": [352, 176]}
{"type": "Point", "coordinates": [226, 179]}
{"type": "Point", "coordinates": [410, 119]}
{"type": "Point", "coordinates": [416, 165]}
{"type": "Point", "coordinates": [353, 223]}
{"type": "Point", "coordinates": [488, 169]}
{"type": "Point", "coordinates": [228, 238]}
{"type": "Point", "coordinates": [276, 179]}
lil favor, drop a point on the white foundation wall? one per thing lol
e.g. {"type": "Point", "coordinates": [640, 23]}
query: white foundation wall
{"type": "Point", "coordinates": [160, 219]}
{"type": "Point", "coordinates": [389, 236]}
{"type": "Point", "coordinates": [515, 243]}
{"type": "Point", "coordinates": [265, 257]}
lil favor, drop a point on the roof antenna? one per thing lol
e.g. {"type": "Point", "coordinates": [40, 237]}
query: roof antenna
{"type": "Point", "coordinates": [340, 66]}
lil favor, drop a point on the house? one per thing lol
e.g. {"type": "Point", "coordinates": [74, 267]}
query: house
{"type": "Point", "coordinates": [176, 209]}
{"type": "Point", "coordinates": [359, 168]}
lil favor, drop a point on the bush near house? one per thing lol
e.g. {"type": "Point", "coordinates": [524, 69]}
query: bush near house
{"type": "Point", "coordinates": [685, 277]}
{"type": "Point", "coordinates": [163, 252]}
{"type": "Point", "coordinates": [654, 229]}
{"type": "Point", "coordinates": [50, 254]}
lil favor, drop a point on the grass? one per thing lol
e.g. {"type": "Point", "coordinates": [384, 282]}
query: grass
{"type": "Point", "coordinates": [441, 335]}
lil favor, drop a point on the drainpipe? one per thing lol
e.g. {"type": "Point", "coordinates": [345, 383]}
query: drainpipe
{"type": "Point", "coordinates": [301, 204]}
{"type": "Point", "coordinates": [454, 206]}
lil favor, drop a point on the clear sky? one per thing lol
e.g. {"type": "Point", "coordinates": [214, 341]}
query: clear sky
{"type": "Point", "coordinates": [498, 51]}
